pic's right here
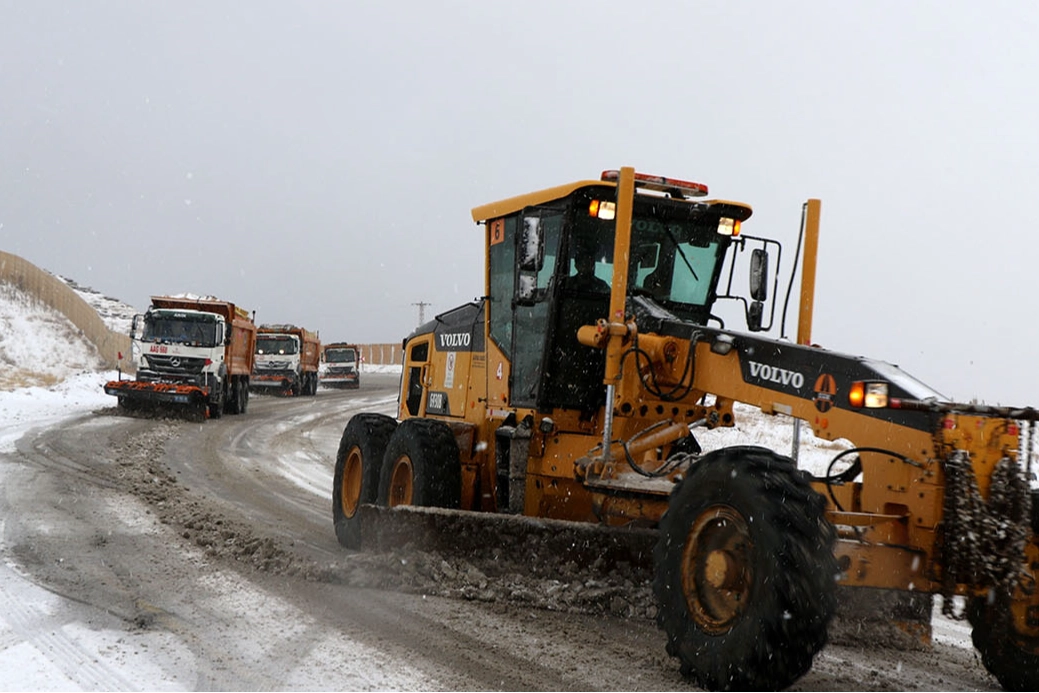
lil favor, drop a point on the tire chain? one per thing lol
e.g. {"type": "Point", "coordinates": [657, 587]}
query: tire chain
{"type": "Point", "coordinates": [984, 541]}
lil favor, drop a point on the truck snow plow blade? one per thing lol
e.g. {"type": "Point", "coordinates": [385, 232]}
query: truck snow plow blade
{"type": "Point", "coordinates": [134, 395]}
{"type": "Point", "coordinates": [160, 393]}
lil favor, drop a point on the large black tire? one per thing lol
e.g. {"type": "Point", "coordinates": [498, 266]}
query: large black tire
{"type": "Point", "coordinates": [234, 397]}
{"type": "Point", "coordinates": [356, 478]}
{"type": "Point", "coordinates": [421, 466]}
{"type": "Point", "coordinates": [243, 390]}
{"type": "Point", "coordinates": [745, 571]}
{"type": "Point", "coordinates": [1008, 655]}
{"type": "Point", "coordinates": [216, 407]}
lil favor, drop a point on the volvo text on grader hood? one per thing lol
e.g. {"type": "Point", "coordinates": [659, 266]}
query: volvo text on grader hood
{"type": "Point", "coordinates": [194, 354]}
{"type": "Point", "coordinates": [287, 360]}
{"type": "Point", "coordinates": [574, 389]}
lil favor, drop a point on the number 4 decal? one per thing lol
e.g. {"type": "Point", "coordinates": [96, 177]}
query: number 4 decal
{"type": "Point", "coordinates": [499, 371]}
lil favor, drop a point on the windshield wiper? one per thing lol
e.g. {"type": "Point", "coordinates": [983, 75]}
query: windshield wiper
{"type": "Point", "coordinates": [681, 252]}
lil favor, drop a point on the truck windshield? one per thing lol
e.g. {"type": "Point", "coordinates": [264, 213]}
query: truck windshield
{"type": "Point", "coordinates": [340, 355]}
{"type": "Point", "coordinates": [179, 328]}
{"type": "Point", "coordinates": [276, 345]}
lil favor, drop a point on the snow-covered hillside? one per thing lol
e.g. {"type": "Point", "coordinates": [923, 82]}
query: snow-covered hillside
{"type": "Point", "coordinates": [38, 345]}
{"type": "Point", "coordinates": [116, 314]}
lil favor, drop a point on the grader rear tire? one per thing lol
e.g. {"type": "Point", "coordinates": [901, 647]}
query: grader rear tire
{"type": "Point", "coordinates": [421, 466]}
{"type": "Point", "coordinates": [1011, 657]}
{"type": "Point", "coordinates": [356, 477]}
{"type": "Point", "coordinates": [746, 573]}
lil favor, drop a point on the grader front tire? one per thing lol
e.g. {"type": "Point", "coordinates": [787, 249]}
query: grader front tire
{"type": "Point", "coordinates": [746, 575]}
{"type": "Point", "coordinates": [356, 477]}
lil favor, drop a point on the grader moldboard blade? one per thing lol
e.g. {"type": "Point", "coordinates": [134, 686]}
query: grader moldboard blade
{"type": "Point", "coordinates": [611, 566]}
{"type": "Point", "coordinates": [541, 545]}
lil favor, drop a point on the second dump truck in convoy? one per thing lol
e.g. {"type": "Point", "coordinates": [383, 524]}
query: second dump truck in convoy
{"type": "Point", "coordinates": [287, 359]}
{"type": "Point", "coordinates": [190, 352]}
{"type": "Point", "coordinates": [342, 365]}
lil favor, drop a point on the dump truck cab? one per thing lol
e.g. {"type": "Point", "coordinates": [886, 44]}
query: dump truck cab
{"type": "Point", "coordinates": [341, 365]}
{"type": "Point", "coordinates": [287, 360]}
{"type": "Point", "coordinates": [195, 352]}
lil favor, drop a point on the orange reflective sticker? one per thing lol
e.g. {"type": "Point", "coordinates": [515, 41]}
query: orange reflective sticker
{"type": "Point", "coordinates": [825, 392]}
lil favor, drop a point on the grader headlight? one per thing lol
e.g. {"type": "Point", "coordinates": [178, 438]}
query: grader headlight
{"type": "Point", "coordinates": [868, 395]}
{"type": "Point", "coordinates": [729, 227]}
{"type": "Point", "coordinates": [602, 209]}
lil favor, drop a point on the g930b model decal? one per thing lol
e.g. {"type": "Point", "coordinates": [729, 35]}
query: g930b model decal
{"type": "Point", "coordinates": [436, 403]}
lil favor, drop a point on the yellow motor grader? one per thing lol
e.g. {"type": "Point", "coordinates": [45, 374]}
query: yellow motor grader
{"type": "Point", "coordinates": [574, 389]}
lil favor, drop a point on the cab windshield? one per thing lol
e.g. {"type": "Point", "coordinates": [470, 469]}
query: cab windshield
{"type": "Point", "coordinates": [675, 254]}
{"type": "Point", "coordinates": [180, 328]}
{"type": "Point", "coordinates": [340, 355]}
{"type": "Point", "coordinates": [276, 345]}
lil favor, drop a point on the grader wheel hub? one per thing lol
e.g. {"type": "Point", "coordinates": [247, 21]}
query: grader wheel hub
{"type": "Point", "coordinates": [402, 482]}
{"type": "Point", "coordinates": [720, 570]}
{"type": "Point", "coordinates": [350, 489]}
{"type": "Point", "coordinates": [716, 568]}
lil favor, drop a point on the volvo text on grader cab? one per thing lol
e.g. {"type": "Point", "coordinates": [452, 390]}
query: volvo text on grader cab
{"type": "Point", "coordinates": [574, 389]}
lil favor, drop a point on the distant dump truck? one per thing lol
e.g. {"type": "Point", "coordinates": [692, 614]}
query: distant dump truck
{"type": "Point", "coordinates": [287, 359]}
{"type": "Point", "coordinates": [342, 367]}
{"type": "Point", "coordinates": [191, 353]}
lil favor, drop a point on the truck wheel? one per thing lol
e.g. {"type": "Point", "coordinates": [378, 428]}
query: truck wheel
{"type": "Point", "coordinates": [197, 411]}
{"type": "Point", "coordinates": [746, 576]}
{"type": "Point", "coordinates": [233, 397]}
{"type": "Point", "coordinates": [356, 478]}
{"type": "Point", "coordinates": [1008, 655]}
{"type": "Point", "coordinates": [243, 392]}
{"type": "Point", "coordinates": [421, 466]}
{"type": "Point", "coordinates": [216, 408]}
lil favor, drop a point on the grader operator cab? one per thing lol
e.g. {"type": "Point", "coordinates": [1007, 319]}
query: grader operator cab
{"type": "Point", "coordinates": [574, 390]}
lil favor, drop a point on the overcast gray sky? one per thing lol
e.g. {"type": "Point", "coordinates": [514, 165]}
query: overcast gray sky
{"type": "Point", "coordinates": [317, 161]}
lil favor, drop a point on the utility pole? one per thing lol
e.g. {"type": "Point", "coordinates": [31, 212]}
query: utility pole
{"type": "Point", "coordinates": [421, 311]}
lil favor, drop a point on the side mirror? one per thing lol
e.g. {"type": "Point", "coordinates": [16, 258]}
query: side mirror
{"type": "Point", "coordinates": [135, 327]}
{"type": "Point", "coordinates": [759, 274]}
{"type": "Point", "coordinates": [531, 251]}
{"type": "Point", "coordinates": [754, 312]}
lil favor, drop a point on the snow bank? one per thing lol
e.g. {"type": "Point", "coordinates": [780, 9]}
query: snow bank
{"type": "Point", "coordinates": [25, 408]}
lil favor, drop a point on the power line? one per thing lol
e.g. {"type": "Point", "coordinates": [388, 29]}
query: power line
{"type": "Point", "coordinates": [421, 311]}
